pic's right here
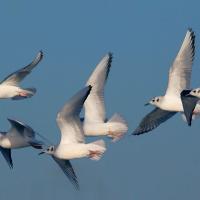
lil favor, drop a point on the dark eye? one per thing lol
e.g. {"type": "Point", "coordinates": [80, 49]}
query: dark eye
{"type": "Point", "coordinates": [194, 91]}
{"type": "Point", "coordinates": [153, 100]}
{"type": "Point", "coordinates": [157, 100]}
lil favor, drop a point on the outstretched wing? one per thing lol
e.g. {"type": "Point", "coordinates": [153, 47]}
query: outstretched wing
{"type": "Point", "coordinates": [68, 170]}
{"type": "Point", "coordinates": [7, 155]}
{"type": "Point", "coordinates": [180, 71]}
{"type": "Point", "coordinates": [16, 77]}
{"type": "Point", "coordinates": [68, 118]}
{"type": "Point", "coordinates": [19, 128]}
{"type": "Point", "coordinates": [153, 120]}
{"type": "Point", "coordinates": [94, 105]}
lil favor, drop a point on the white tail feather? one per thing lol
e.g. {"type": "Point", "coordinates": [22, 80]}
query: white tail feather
{"type": "Point", "coordinates": [96, 149]}
{"type": "Point", "coordinates": [117, 127]}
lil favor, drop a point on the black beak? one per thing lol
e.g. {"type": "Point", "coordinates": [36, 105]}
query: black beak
{"type": "Point", "coordinates": [146, 104]}
{"type": "Point", "coordinates": [41, 153]}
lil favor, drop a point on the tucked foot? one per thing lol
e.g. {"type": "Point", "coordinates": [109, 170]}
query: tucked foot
{"type": "Point", "coordinates": [95, 155]}
{"type": "Point", "coordinates": [23, 94]}
{"type": "Point", "coordinates": [115, 135]}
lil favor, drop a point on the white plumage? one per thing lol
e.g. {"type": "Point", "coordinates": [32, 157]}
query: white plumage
{"type": "Point", "coordinates": [95, 122]}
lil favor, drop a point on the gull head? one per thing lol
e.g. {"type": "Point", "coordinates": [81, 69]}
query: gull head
{"type": "Point", "coordinates": [156, 101]}
{"type": "Point", "coordinates": [195, 92]}
{"type": "Point", "coordinates": [49, 150]}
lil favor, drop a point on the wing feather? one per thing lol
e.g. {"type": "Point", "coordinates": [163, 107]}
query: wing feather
{"type": "Point", "coordinates": [181, 69]}
{"type": "Point", "coordinates": [16, 77]}
{"type": "Point", "coordinates": [94, 105]}
{"type": "Point", "coordinates": [68, 118]}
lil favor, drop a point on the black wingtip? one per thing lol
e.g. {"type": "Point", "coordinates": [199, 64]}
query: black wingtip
{"type": "Point", "coordinates": [192, 35]}
{"type": "Point", "coordinates": [185, 93]}
{"type": "Point", "coordinates": [41, 54]}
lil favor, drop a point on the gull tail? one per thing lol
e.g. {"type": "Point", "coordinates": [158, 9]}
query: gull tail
{"type": "Point", "coordinates": [25, 93]}
{"type": "Point", "coordinates": [96, 149]}
{"type": "Point", "coordinates": [117, 127]}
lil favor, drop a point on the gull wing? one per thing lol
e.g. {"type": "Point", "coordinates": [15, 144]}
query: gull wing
{"type": "Point", "coordinates": [181, 69]}
{"type": "Point", "coordinates": [16, 77]}
{"type": "Point", "coordinates": [7, 155]}
{"type": "Point", "coordinates": [94, 105]}
{"type": "Point", "coordinates": [20, 129]}
{"type": "Point", "coordinates": [68, 118]}
{"type": "Point", "coordinates": [189, 103]}
{"type": "Point", "coordinates": [68, 170]}
{"type": "Point", "coordinates": [153, 120]}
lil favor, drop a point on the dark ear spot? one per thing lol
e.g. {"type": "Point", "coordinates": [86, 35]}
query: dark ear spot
{"type": "Point", "coordinates": [157, 100]}
{"type": "Point", "coordinates": [51, 148]}
{"type": "Point", "coordinates": [198, 91]}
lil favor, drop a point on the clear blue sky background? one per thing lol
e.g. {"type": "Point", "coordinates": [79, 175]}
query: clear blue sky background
{"type": "Point", "coordinates": [74, 35]}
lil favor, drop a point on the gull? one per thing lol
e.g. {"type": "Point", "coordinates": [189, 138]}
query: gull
{"type": "Point", "coordinates": [9, 87]}
{"type": "Point", "coordinates": [95, 122]}
{"type": "Point", "coordinates": [190, 100]}
{"type": "Point", "coordinates": [72, 144]}
{"type": "Point", "coordinates": [20, 135]}
{"type": "Point", "coordinates": [179, 80]}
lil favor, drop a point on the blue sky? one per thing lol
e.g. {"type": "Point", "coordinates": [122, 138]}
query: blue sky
{"type": "Point", "coordinates": [144, 37]}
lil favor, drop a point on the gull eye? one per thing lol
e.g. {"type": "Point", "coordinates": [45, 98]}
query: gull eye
{"type": "Point", "coordinates": [194, 91]}
{"type": "Point", "coordinates": [153, 100]}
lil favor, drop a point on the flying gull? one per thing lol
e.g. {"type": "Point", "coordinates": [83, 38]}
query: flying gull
{"type": "Point", "coordinates": [95, 122]}
{"type": "Point", "coordinates": [9, 87]}
{"type": "Point", "coordinates": [72, 144]}
{"type": "Point", "coordinates": [20, 135]}
{"type": "Point", "coordinates": [179, 80]}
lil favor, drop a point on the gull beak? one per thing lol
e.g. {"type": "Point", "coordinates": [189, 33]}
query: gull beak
{"type": "Point", "coordinates": [146, 104]}
{"type": "Point", "coordinates": [42, 152]}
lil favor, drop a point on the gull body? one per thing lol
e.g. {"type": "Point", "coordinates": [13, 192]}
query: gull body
{"type": "Point", "coordinates": [179, 80]}
{"type": "Point", "coordinates": [9, 87]}
{"type": "Point", "coordinates": [72, 144]}
{"type": "Point", "coordinates": [19, 136]}
{"type": "Point", "coordinates": [95, 122]}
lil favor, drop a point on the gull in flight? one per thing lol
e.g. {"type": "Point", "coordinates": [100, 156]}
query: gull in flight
{"type": "Point", "coordinates": [72, 144]}
{"type": "Point", "coordinates": [179, 80]}
{"type": "Point", "coordinates": [95, 122]}
{"type": "Point", "coordinates": [9, 87]}
{"type": "Point", "coordinates": [20, 135]}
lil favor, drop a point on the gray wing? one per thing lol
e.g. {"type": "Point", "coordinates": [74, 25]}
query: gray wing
{"type": "Point", "coordinates": [181, 69]}
{"type": "Point", "coordinates": [68, 170]}
{"type": "Point", "coordinates": [18, 127]}
{"type": "Point", "coordinates": [189, 103]}
{"type": "Point", "coordinates": [7, 155]}
{"type": "Point", "coordinates": [16, 77]}
{"type": "Point", "coordinates": [68, 118]}
{"type": "Point", "coordinates": [21, 129]}
{"type": "Point", "coordinates": [153, 120]}
{"type": "Point", "coordinates": [94, 105]}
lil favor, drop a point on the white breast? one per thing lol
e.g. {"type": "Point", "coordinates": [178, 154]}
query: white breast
{"type": "Point", "coordinates": [71, 151]}
{"type": "Point", "coordinates": [8, 91]}
{"type": "Point", "coordinates": [171, 103]}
